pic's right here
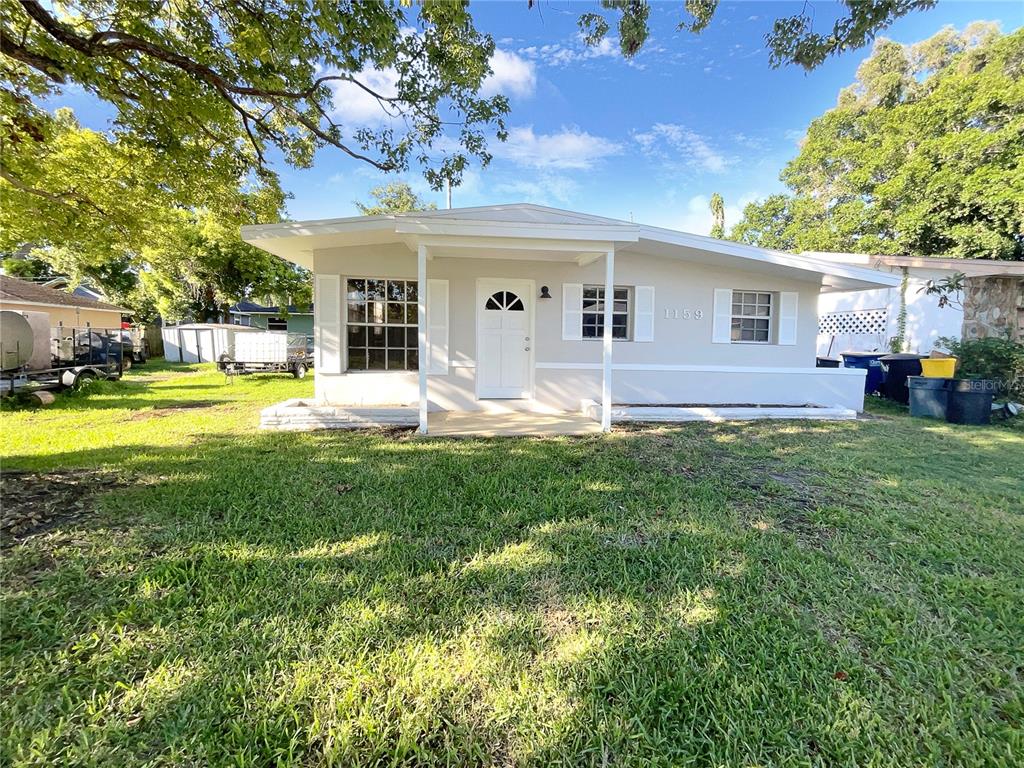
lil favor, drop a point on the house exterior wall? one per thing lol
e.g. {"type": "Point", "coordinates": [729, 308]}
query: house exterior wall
{"type": "Point", "coordinates": [994, 306]}
{"type": "Point", "coordinates": [681, 364]}
{"type": "Point", "coordinates": [926, 320]}
{"type": "Point", "coordinates": [72, 317]}
{"type": "Point", "coordinates": [296, 323]}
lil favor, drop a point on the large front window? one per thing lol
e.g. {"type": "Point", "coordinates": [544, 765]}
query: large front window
{"type": "Point", "coordinates": [593, 312]}
{"type": "Point", "coordinates": [381, 323]}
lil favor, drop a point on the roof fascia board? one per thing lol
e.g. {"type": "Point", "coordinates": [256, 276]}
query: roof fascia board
{"type": "Point", "coordinates": [628, 233]}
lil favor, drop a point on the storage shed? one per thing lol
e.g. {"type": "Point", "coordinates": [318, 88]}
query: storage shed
{"type": "Point", "coordinates": [201, 342]}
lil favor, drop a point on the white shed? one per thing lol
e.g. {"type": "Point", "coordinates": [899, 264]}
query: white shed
{"type": "Point", "coordinates": [201, 342]}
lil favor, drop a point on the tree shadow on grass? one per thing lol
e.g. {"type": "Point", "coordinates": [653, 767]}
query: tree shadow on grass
{"type": "Point", "coordinates": [358, 599]}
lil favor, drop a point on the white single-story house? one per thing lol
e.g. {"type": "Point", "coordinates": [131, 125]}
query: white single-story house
{"type": "Point", "coordinates": [502, 308]}
{"type": "Point", "coordinates": [992, 304]}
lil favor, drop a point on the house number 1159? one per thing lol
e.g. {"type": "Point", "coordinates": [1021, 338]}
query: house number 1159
{"type": "Point", "coordinates": [684, 314]}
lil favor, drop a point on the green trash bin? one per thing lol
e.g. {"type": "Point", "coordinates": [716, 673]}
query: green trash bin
{"type": "Point", "coordinates": [929, 397]}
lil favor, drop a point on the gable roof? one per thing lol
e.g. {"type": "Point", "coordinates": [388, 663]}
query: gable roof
{"type": "Point", "coordinates": [509, 226]}
{"type": "Point", "coordinates": [23, 292]}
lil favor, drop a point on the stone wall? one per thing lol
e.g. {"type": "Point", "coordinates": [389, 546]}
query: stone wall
{"type": "Point", "coordinates": [994, 306]}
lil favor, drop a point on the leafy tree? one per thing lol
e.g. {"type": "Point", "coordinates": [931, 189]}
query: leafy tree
{"type": "Point", "coordinates": [396, 197]}
{"type": "Point", "coordinates": [220, 82]}
{"type": "Point", "coordinates": [27, 268]}
{"type": "Point", "coordinates": [791, 41]}
{"type": "Point", "coordinates": [718, 212]}
{"type": "Point", "coordinates": [923, 155]}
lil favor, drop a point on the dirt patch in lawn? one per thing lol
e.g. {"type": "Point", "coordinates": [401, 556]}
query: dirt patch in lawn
{"type": "Point", "coordinates": [169, 410]}
{"type": "Point", "coordinates": [37, 501]}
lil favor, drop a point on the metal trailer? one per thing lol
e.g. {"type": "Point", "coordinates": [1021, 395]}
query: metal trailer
{"type": "Point", "coordinates": [77, 356]}
{"type": "Point", "coordinates": [268, 352]}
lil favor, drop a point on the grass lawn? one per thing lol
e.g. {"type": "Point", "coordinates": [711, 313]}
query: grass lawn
{"type": "Point", "coordinates": [778, 593]}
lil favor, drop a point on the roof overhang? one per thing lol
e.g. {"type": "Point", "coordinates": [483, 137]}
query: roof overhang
{"type": "Point", "coordinates": [968, 267]}
{"type": "Point", "coordinates": [547, 235]}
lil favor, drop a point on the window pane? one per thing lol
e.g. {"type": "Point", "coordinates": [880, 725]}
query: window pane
{"type": "Point", "coordinates": [491, 304]}
{"type": "Point", "coordinates": [620, 321]}
{"type": "Point", "coordinates": [411, 294]}
{"type": "Point", "coordinates": [375, 289]}
{"type": "Point", "coordinates": [411, 313]}
{"type": "Point", "coordinates": [377, 360]}
{"type": "Point", "coordinates": [357, 312]}
{"type": "Point", "coordinates": [412, 358]}
{"type": "Point", "coordinates": [589, 292]}
{"type": "Point", "coordinates": [356, 359]}
{"type": "Point", "coordinates": [619, 332]}
{"type": "Point", "coordinates": [396, 312]}
{"type": "Point", "coordinates": [356, 290]}
{"type": "Point", "coordinates": [735, 332]}
{"type": "Point", "coordinates": [376, 336]}
{"type": "Point", "coordinates": [357, 336]}
{"type": "Point", "coordinates": [396, 359]}
{"type": "Point", "coordinates": [375, 312]}
{"type": "Point", "coordinates": [621, 293]}
{"type": "Point", "coordinates": [412, 340]}
{"type": "Point", "coordinates": [620, 306]}
{"type": "Point", "coordinates": [737, 309]}
{"type": "Point", "coordinates": [396, 337]}
{"type": "Point", "coordinates": [592, 305]}
{"type": "Point", "coordinates": [517, 306]}
{"type": "Point", "coordinates": [396, 290]}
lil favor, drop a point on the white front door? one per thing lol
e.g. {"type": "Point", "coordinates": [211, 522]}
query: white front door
{"type": "Point", "coordinates": [504, 313]}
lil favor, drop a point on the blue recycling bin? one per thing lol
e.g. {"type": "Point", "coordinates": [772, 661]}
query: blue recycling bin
{"type": "Point", "coordinates": [868, 361]}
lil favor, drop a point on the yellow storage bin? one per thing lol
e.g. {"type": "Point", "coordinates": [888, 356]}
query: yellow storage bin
{"type": "Point", "coordinates": [938, 367]}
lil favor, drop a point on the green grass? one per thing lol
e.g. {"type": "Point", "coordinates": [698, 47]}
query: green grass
{"type": "Point", "coordinates": [759, 594]}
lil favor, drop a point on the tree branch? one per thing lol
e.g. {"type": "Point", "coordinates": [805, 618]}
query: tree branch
{"type": "Point", "coordinates": [63, 199]}
{"type": "Point", "coordinates": [49, 67]}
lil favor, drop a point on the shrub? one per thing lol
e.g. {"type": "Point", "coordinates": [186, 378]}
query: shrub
{"type": "Point", "coordinates": [994, 358]}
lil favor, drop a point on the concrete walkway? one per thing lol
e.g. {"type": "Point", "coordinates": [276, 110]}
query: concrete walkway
{"type": "Point", "coordinates": [445, 424]}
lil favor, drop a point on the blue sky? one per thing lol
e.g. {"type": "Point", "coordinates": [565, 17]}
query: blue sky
{"type": "Point", "coordinates": [650, 138]}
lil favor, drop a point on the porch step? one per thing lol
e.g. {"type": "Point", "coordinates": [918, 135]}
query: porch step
{"type": "Point", "coordinates": [667, 413]}
{"type": "Point", "coordinates": [302, 415]}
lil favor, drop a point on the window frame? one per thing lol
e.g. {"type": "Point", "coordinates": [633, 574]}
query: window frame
{"type": "Point", "coordinates": [742, 302]}
{"type": "Point", "coordinates": [630, 300]}
{"type": "Point", "coordinates": [409, 310]}
{"type": "Point", "coordinates": [278, 321]}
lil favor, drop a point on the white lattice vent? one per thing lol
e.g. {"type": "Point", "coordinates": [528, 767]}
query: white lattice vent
{"type": "Point", "coordinates": [859, 321]}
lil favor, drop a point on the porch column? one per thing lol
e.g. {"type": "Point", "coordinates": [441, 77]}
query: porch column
{"type": "Point", "coordinates": [606, 356]}
{"type": "Point", "coordinates": [421, 318]}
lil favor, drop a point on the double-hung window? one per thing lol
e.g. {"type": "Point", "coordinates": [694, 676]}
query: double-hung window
{"type": "Point", "coordinates": [751, 317]}
{"type": "Point", "coordinates": [382, 331]}
{"type": "Point", "coordinates": [593, 312]}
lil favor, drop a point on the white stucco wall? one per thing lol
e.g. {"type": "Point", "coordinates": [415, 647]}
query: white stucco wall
{"type": "Point", "coordinates": [926, 320]}
{"type": "Point", "coordinates": [681, 365]}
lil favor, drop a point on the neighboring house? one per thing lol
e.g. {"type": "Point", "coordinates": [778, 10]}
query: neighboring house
{"type": "Point", "coordinates": [993, 304]}
{"type": "Point", "coordinates": [295, 320]}
{"type": "Point", "coordinates": [502, 308]}
{"type": "Point", "coordinates": [64, 308]}
{"type": "Point", "coordinates": [82, 290]}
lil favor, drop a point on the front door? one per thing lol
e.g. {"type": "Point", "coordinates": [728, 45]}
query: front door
{"type": "Point", "coordinates": [504, 318]}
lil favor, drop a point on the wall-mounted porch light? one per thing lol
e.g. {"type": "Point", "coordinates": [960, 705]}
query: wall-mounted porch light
{"type": "Point", "coordinates": [544, 292]}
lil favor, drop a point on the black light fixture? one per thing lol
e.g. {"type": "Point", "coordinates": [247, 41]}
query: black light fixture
{"type": "Point", "coordinates": [544, 292]}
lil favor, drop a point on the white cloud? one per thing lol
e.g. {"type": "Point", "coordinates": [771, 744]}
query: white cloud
{"type": "Point", "coordinates": [512, 75]}
{"type": "Point", "coordinates": [355, 107]}
{"type": "Point", "coordinates": [568, 148]}
{"type": "Point", "coordinates": [696, 215]}
{"type": "Point", "coordinates": [680, 146]}
{"type": "Point", "coordinates": [558, 55]}
{"type": "Point", "coordinates": [548, 189]}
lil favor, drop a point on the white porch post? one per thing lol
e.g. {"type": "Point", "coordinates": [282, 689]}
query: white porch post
{"type": "Point", "coordinates": [421, 316]}
{"type": "Point", "coordinates": [606, 356]}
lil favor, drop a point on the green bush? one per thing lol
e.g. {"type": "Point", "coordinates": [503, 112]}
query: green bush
{"type": "Point", "coordinates": [992, 358]}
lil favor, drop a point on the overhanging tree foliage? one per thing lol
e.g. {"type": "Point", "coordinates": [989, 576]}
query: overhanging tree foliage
{"type": "Point", "coordinates": [793, 39]}
{"type": "Point", "coordinates": [397, 197]}
{"type": "Point", "coordinates": [923, 155]}
{"type": "Point", "coordinates": [213, 79]}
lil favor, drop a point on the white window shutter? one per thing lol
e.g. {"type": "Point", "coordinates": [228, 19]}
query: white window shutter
{"type": "Point", "coordinates": [721, 329]}
{"type": "Point", "coordinates": [572, 311]}
{"type": "Point", "coordinates": [437, 326]}
{"type": "Point", "coordinates": [327, 306]}
{"type": "Point", "coordinates": [788, 317]}
{"type": "Point", "coordinates": [643, 314]}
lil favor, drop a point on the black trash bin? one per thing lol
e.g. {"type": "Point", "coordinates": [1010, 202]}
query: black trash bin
{"type": "Point", "coordinates": [970, 401]}
{"type": "Point", "coordinates": [928, 396]}
{"type": "Point", "coordinates": [827, 362]}
{"type": "Point", "coordinates": [897, 367]}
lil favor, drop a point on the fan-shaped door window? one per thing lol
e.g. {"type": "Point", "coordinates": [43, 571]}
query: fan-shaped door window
{"type": "Point", "coordinates": [505, 300]}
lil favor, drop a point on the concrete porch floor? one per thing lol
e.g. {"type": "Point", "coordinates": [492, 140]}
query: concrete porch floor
{"type": "Point", "coordinates": [452, 424]}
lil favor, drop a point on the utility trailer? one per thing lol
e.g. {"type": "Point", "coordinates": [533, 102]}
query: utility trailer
{"type": "Point", "coordinates": [268, 352]}
{"type": "Point", "coordinates": [34, 356]}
